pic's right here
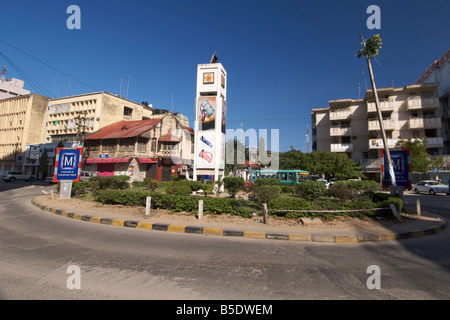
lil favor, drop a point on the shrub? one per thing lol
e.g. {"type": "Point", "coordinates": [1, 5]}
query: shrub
{"type": "Point", "coordinates": [353, 190]}
{"type": "Point", "coordinates": [287, 189]}
{"type": "Point", "coordinates": [111, 182]}
{"type": "Point", "coordinates": [151, 184]}
{"type": "Point", "coordinates": [289, 204]}
{"type": "Point", "coordinates": [174, 178]}
{"type": "Point", "coordinates": [79, 188]}
{"type": "Point", "coordinates": [396, 201]}
{"type": "Point", "coordinates": [267, 182]}
{"type": "Point", "coordinates": [249, 186]}
{"type": "Point", "coordinates": [379, 197]}
{"type": "Point", "coordinates": [233, 184]}
{"type": "Point", "coordinates": [173, 202]}
{"type": "Point", "coordinates": [311, 190]}
{"type": "Point", "coordinates": [265, 193]}
{"type": "Point", "coordinates": [179, 190]}
{"type": "Point", "coordinates": [194, 185]}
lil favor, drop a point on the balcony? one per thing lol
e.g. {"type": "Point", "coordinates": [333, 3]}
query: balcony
{"type": "Point", "coordinates": [374, 124]}
{"type": "Point", "coordinates": [378, 143]}
{"type": "Point", "coordinates": [418, 102]}
{"type": "Point", "coordinates": [371, 165]}
{"type": "Point", "coordinates": [434, 142]}
{"type": "Point", "coordinates": [424, 123]}
{"type": "Point", "coordinates": [340, 115]}
{"type": "Point", "coordinates": [340, 131]}
{"type": "Point", "coordinates": [384, 106]}
{"type": "Point", "coordinates": [168, 153]}
{"type": "Point", "coordinates": [341, 147]}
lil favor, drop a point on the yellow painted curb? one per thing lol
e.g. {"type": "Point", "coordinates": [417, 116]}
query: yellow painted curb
{"type": "Point", "coordinates": [386, 236]}
{"type": "Point", "coordinates": [95, 219]}
{"type": "Point", "coordinates": [77, 216]}
{"type": "Point", "coordinates": [346, 238]}
{"type": "Point", "coordinates": [300, 237]}
{"type": "Point", "coordinates": [173, 228]}
{"type": "Point", "coordinates": [256, 235]}
{"type": "Point", "coordinates": [212, 232]}
{"type": "Point", "coordinates": [118, 223]}
{"type": "Point", "coordinates": [64, 213]}
{"type": "Point", "coordinates": [417, 233]}
{"type": "Point", "coordinates": [144, 225]}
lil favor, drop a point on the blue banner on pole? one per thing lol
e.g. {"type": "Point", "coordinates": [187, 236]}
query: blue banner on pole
{"type": "Point", "coordinates": [402, 168]}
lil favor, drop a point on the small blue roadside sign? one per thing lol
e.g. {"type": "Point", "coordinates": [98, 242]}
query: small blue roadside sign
{"type": "Point", "coordinates": [402, 168]}
{"type": "Point", "coordinates": [67, 164]}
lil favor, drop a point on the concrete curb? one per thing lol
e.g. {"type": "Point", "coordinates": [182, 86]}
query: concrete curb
{"type": "Point", "coordinates": [208, 231]}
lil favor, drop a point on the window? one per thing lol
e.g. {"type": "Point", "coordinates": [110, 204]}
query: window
{"type": "Point", "coordinates": [431, 133]}
{"type": "Point", "coordinates": [109, 144]}
{"type": "Point", "coordinates": [126, 144]}
{"type": "Point", "coordinates": [167, 147]}
{"type": "Point", "coordinates": [142, 144]}
{"type": "Point", "coordinates": [153, 146]}
{"type": "Point", "coordinates": [127, 111]}
{"type": "Point", "coordinates": [93, 145]}
{"type": "Point", "coordinates": [346, 140]}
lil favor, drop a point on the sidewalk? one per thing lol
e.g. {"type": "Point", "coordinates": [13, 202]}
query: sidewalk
{"type": "Point", "coordinates": [348, 231]}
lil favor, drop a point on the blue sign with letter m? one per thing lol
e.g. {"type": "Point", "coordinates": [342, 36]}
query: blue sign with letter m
{"type": "Point", "coordinates": [67, 164]}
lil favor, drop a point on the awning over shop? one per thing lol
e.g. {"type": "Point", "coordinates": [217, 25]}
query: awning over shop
{"type": "Point", "coordinates": [146, 160]}
{"type": "Point", "coordinates": [105, 160]}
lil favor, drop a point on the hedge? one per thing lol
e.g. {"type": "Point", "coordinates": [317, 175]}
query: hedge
{"type": "Point", "coordinates": [277, 205]}
{"type": "Point", "coordinates": [173, 202]}
{"type": "Point", "coordinates": [111, 182]}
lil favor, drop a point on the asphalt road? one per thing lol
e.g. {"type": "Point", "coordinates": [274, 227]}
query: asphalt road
{"type": "Point", "coordinates": [37, 249]}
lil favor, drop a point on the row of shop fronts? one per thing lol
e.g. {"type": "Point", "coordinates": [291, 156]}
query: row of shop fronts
{"type": "Point", "coordinates": [138, 168]}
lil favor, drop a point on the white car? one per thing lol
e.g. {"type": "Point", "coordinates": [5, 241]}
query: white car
{"type": "Point", "coordinates": [13, 176]}
{"type": "Point", "coordinates": [431, 187]}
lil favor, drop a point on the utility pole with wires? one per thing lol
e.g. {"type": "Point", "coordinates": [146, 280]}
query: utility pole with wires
{"type": "Point", "coordinates": [81, 127]}
{"type": "Point", "coordinates": [370, 50]}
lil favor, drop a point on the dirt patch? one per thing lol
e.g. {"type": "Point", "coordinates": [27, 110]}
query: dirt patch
{"type": "Point", "coordinates": [225, 221]}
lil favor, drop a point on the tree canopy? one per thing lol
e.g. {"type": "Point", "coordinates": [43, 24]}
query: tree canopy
{"type": "Point", "coordinates": [329, 164]}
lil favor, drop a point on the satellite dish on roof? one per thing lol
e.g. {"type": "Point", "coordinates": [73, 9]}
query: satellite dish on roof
{"type": "Point", "coordinates": [214, 58]}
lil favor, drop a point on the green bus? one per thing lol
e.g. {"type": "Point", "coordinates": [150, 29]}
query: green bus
{"type": "Point", "coordinates": [286, 177]}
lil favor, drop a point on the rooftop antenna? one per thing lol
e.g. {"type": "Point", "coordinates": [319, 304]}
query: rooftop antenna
{"type": "Point", "coordinates": [359, 88]}
{"type": "Point", "coordinates": [68, 87]}
{"type": "Point", "coordinates": [128, 85]}
{"type": "Point", "coordinates": [121, 86]}
{"type": "Point", "coordinates": [53, 89]}
{"type": "Point", "coordinates": [4, 73]}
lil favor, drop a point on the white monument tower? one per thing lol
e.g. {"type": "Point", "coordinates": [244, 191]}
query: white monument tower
{"type": "Point", "coordinates": [210, 120]}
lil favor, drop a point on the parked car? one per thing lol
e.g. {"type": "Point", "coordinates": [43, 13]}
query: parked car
{"type": "Point", "coordinates": [431, 187]}
{"type": "Point", "coordinates": [86, 175]}
{"type": "Point", "coordinates": [13, 176]}
{"type": "Point", "coordinates": [327, 184]}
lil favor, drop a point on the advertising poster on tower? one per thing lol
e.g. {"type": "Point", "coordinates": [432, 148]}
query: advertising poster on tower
{"type": "Point", "coordinates": [208, 111]}
{"type": "Point", "coordinates": [210, 120]}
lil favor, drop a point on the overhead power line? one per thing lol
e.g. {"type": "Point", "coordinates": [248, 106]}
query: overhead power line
{"type": "Point", "coordinates": [36, 85]}
{"type": "Point", "coordinates": [50, 66]}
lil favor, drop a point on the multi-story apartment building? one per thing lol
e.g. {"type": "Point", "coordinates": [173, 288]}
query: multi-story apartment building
{"type": "Point", "coordinates": [156, 148]}
{"type": "Point", "coordinates": [439, 72]}
{"type": "Point", "coordinates": [22, 121]}
{"type": "Point", "coordinates": [352, 126]}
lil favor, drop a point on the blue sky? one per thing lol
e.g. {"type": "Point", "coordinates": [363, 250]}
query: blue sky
{"type": "Point", "coordinates": [283, 58]}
